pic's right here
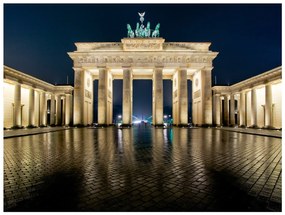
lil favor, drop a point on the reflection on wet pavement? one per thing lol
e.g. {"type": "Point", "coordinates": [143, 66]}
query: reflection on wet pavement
{"type": "Point", "coordinates": [142, 169]}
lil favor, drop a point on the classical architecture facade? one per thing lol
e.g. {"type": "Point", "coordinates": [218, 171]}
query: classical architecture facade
{"type": "Point", "coordinates": [143, 58]}
{"type": "Point", "coordinates": [30, 102]}
{"type": "Point", "coordinates": [255, 102]}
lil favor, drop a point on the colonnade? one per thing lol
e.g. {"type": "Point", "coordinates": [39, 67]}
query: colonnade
{"type": "Point", "coordinates": [31, 102]}
{"type": "Point", "coordinates": [251, 103]}
{"type": "Point", "coordinates": [105, 95]}
{"type": "Point", "coordinates": [55, 112]}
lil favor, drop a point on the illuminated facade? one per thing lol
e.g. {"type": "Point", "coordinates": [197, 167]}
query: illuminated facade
{"type": "Point", "coordinates": [30, 102]}
{"type": "Point", "coordinates": [255, 102]}
{"type": "Point", "coordinates": [143, 58]}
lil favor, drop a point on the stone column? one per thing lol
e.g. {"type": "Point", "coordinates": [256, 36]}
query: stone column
{"type": "Point", "coordinates": [52, 110]}
{"type": "Point", "coordinates": [68, 104]}
{"type": "Point", "coordinates": [43, 109]}
{"type": "Point", "coordinates": [232, 110]}
{"type": "Point", "coordinates": [268, 106]}
{"type": "Point", "coordinates": [102, 97]}
{"type": "Point", "coordinates": [58, 110]}
{"type": "Point", "coordinates": [78, 96]}
{"type": "Point", "coordinates": [217, 109]}
{"type": "Point", "coordinates": [32, 107]}
{"type": "Point", "coordinates": [226, 111]}
{"type": "Point", "coordinates": [206, 96]}
{"type": "Point", "coordinates": [253, 108]}
{"type": "Point", "coordinates": [17, 106]}
{"type": "Point", "coordinates": [127, 96]}
{"type": "Point", "coordinates": [157, 97]}
{"type": "Point", "coordinates": [242, 122]}
{"type": "Point", "coordinates": [182, 97]}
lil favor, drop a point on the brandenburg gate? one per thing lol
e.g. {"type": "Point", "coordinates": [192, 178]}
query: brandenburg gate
{"type": "Point", "coordinates": [143, 55]}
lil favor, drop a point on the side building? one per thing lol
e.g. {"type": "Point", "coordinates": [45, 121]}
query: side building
{"type": "Point", "coordinates": [255, 102]}
{"type": "Point", "coordinates": [31, 102]}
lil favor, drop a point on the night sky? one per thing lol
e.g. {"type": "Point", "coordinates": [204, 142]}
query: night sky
{"type": "Point", "coordinates": [38, 37]}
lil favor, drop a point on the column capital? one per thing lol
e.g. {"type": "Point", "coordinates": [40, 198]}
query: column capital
{"type": "Point", "coordinates": [158, 67]}
{"type": "Point", "coordinates": [126, 67]}
{"type": "Point", "coordinates": [182, 68]}
{"type": "Point", "coordinates": [101, 67]}
{"type": "Point", "coordinates": [207, 68]}
{"type": "Point", "coordinates": [77, 69]}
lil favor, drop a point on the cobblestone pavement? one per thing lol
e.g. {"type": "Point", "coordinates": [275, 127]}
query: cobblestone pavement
{"type": "Point", "coordinates": [30, 131]}
{"type": "Point", "coordinates": [142, 169]}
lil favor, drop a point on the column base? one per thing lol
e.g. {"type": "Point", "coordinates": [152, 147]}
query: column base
{"type": "Point", "coordinates": [159, 125]}
{"type": "Point", "coordinates": [102, 125]}
{"type": "Point", "coordinates": [126, 125]}
{"type": "Point", "coordinates": [31, 126]}
{"type": "Point", "coordinates": [253, 126]}
{"type": "Point", "coordinates": [17, 127]}
{"type": "Point", "coordinates": [182, 125]}
{"type": "Point", "coordinates": [242, 126]}
{"type": "Point", "coordinates": [269, 127]}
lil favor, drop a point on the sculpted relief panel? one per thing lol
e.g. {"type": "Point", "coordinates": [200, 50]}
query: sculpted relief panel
{"type": "Point", "coordinates": [156, 59]}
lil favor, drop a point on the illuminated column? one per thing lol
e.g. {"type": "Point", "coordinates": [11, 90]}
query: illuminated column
{"type": "Point", "coordinates": [242, 110]}
{"type": "Point", "coordinates": [52, 109]}
{"type": "Point", "coordinates": [217, 109]}
{"type": "Point", "coordinates": [226, 110]}
{"type": "Point", "coordinates": [127, 96]}
{"type": "Point", "coordinates": [102, 96]}
{"type": "Point", "coordinates": [78, 96]}
{"type": "Point", "coordinates": [58, 110]}
{"type": "Point", "coordinates": [63, 110]}
{"type": "Point", "coordinates": [232, 109]}
{"type": "Point", "coordinates": [157, 97]}
{"type": "Point", "coordinates": [17, 106]}
{"type": "Point", "coordinates": [206, 95]}
{"type": "Point", "coordinates": [43, 109]}
{"type": "Point", "coordinates": [32, 107]}
{"type": "Point", "coordinates": [268, 106]}
{"type": "Point", "coordinates": [182, 97]}
{"type": "Point", "coordinates": [68, 104]}
{"type": "Point", "coordinates": [253, 108]}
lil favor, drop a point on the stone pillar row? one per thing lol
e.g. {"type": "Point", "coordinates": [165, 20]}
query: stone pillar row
{"type": "Point", "coordinates": [104, 109]}
{"type": "Point", "coordinates": [55, 115]}
{"type": "Point", "coordinates": [229, 116]}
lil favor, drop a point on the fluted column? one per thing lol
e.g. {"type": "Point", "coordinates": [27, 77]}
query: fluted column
{"type": "Point", "coordinates": [31, 107]}
{"type": "Point", "coordinates": [226, 111]}
{"type": "Point", "coordinates": [253, 108]}
{"type": "Point", "coordinates": [217, 109]}
{"type": "Point", "coordinates": [232, 110]}
{"type": "Point", "coordinates": [127, 96]}
{"type": "Point", "coordinates": [52, 110]}
{"type": "Point", "coordinates": [58, 110]}
{"type": "Point", "coordinates": [268, 106]}
{"type": "Point", "coordinates": [43, 109]}
{"type": "Point", "coordinates": [102, 97]}
{"type": "Point", "coordinates": [68, 105]}
{"type": "Point", "coordinates": [78, 96]}
{"type": "Point", "coordinates": [182, 97]}
{"type": "Point", "coordinates": [157, 97]}
{"type": "Point", "coordinates": [17, 106]}
{"type": "Point", "coordinates": [242, 122]}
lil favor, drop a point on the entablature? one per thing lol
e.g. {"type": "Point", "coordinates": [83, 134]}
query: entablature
{"type": "Point", "coordinates": [269, 77]}
{"type": "Point", "coordinates": [14, 76]}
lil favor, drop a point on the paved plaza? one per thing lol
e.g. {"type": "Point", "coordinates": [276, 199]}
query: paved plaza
{"type": "Point", "coordinates": [142, 169]}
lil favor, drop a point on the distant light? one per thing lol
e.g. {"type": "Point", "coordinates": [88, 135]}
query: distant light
{"type": "Point", "coordinates": [165, 116]}
{"type": "Point", "coordinates": [169, 115]}
{"type": "Point", "coordinates": [137, 122]}
{"type": "Point", "coordinates": [120, 116]}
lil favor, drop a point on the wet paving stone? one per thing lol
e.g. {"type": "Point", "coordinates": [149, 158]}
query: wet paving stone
{"type": "Point", "coordinates": [142, 169]}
